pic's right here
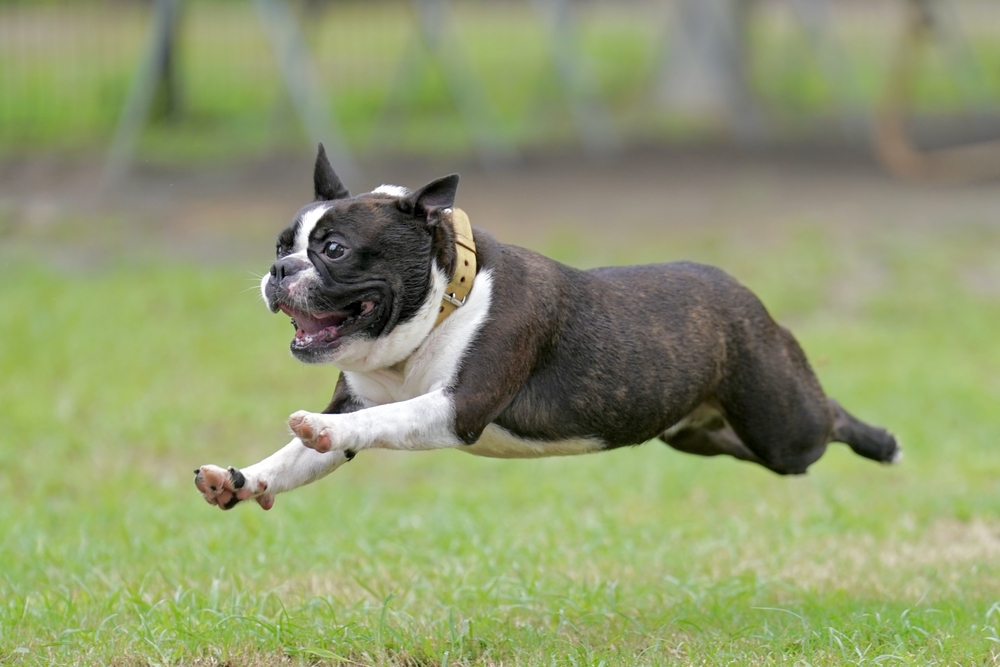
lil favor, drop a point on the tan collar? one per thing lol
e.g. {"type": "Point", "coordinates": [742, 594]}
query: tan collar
{"type": "Point", "coordinates": [465, 265]}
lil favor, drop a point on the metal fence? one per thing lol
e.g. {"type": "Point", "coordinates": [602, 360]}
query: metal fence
{"type": "Point", "coordinates": [494, 77]}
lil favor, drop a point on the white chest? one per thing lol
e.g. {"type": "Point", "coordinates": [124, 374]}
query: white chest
{"type": "Point", "coordinates": [434, 361]}
{"type": "Point", "coordinates": [433, 366]}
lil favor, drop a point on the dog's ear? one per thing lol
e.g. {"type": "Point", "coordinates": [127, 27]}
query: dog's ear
{"type": "Point", "coordinates": [427, 204]}
{"type": "Point", "coordinates": [435, 195]}
{"type": "Point", "coordinates": [325, 182]}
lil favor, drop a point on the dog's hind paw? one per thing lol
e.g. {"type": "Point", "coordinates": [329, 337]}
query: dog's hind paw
{"type": "Point", "coordinates": [225, 487]}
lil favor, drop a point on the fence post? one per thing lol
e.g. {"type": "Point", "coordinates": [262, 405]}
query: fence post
{"type": "Point", "coordinates": [156, 69]}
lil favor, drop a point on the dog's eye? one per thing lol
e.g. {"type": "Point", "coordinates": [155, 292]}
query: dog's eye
{"type": "Point", "coordinates": [279, 251]}
{"type": "Point", "coordinates": [334, 250]}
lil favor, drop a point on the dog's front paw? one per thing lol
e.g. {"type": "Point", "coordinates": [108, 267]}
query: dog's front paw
{"type": "Point", "coordinates": [226, 487]}
{"type": "Point", "coordinates": [311, 430]}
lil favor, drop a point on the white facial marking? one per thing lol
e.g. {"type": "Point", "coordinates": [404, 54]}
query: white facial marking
{"type": "Point", "coordinates": [393, 190]}
{"type": "Point", "coordinates": [264, 279]}
{"type": "Point", "coordinates": [306, 224]}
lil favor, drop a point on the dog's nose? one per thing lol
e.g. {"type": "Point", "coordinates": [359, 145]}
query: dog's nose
{"type": "Point", "coordinates": [288, 266]}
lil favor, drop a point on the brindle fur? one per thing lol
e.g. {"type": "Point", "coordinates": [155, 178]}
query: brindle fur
{"type": "Point", "coordinates": [621, 354]}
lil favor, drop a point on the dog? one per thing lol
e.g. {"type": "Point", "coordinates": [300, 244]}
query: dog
{"type": "Point", "coordinates": [446, 337]}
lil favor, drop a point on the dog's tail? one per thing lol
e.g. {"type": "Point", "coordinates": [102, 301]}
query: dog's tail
{"type": "Point", "coordinates": [872, 442]}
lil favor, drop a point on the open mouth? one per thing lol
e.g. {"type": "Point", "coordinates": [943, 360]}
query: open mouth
{"type": "Point", "coordinates": [321, 330]}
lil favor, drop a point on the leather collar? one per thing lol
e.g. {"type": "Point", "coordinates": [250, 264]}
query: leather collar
{"type": "Point", "coordinates": [465, 265]}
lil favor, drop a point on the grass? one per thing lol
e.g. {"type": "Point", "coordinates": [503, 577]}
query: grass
{"type": "Point", "coordinates": [65, 69]}
{"type": "Point", "coordinates": [118, 380]}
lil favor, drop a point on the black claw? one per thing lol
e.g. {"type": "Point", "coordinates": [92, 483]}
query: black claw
{"type": "Point", "coordinates": [350, 454]}
{"type": "Point", "coordinates": [231, 503]}
{"type": "Point", "coordinates": [197, 471]}
{"type": "Point", "coordinates": [238, 479]}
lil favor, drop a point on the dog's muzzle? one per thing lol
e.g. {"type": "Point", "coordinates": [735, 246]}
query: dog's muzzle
{"type": "Point", "coordinates": [289, 266]}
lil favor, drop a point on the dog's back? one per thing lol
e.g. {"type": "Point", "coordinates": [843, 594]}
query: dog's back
{"type": "Point", "coordinates": [681, 351]}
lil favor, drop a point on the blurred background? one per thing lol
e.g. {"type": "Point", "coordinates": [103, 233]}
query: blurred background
{"type": "Point", "coordinates": [106, 103]}
{"type": "Point", "coordinates": [840, 157]}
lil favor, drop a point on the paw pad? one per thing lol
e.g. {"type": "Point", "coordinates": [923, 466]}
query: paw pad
{"type": "Point", "coordinates": [226, 487]}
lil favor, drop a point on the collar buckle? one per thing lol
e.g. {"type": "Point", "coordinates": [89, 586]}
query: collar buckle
{"type": "Point", "coordinates": [450, 298]}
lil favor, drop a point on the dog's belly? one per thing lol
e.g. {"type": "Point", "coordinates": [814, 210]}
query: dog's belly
{"type": "Point", "coordinates": [706, 415]}
{"type": "Point", "coordinates": [499, 443]}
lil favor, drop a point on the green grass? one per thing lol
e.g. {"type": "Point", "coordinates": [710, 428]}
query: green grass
{"type": "Point", "coordinates": [65, 70]}
{"type": "Point", "coordinates": [118, 380]}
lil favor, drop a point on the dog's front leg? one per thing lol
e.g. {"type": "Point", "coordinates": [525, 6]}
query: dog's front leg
{"type": "Point", "coordinates": [290, 467]}
{"type": "Point", "coordinates": [424, 422]}
{"type": "Point", "coordinates": [327, 441]}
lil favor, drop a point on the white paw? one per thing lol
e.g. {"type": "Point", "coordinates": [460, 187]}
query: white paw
{"type": "Point", "coordinates": [225, 487]}
{"type": "Point", "coordinates": [312, 430]}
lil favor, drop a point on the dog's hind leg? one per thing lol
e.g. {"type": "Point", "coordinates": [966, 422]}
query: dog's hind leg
{"type": "Point", "coordinates": [774, 402]}
{"type": "Point", "coordinates": [871, 442]}
{"type": "Point", "coordinates": [709, 442]}
{"type": "Point", "coordinates": [706, 433]}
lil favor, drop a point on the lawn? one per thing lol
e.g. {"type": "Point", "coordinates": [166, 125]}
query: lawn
{"type": "Point", "coordinates": [119, 379]}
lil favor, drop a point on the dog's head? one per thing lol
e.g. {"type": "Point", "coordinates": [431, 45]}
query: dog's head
{"type": "Point", "coordinates": [352, 270]}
